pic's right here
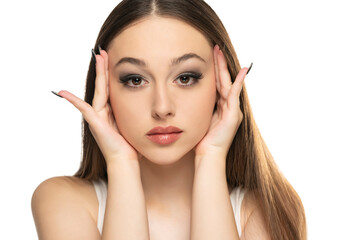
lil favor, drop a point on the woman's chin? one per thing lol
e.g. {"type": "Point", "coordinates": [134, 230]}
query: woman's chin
{"type": "Point", "coordinates": [164, 158]}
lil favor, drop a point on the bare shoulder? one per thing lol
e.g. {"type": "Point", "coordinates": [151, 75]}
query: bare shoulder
{"type": "Point", "coordinates": [65, 189]}
{"type": "Point", "coordinates": [65, 208]}
{"type": "Point", "coordinates": [253, 224]}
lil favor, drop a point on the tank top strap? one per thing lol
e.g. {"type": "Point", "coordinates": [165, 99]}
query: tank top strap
{"type": "Point", "coordinates": [236, 198]}
{"type": "Point", "coordinates": [101, 193]}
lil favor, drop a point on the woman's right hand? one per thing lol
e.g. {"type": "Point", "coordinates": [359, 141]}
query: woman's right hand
{"type": "Point", "coordinates": [100, 117]}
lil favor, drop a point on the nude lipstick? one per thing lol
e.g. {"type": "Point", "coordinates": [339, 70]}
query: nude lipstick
{"type": "Point", "coordinates": [164, 135]}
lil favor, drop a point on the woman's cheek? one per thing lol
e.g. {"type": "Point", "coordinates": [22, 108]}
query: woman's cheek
{"type": "Point", "coordinates": [203, 111]}
{"type": "Point", "coordinates": [126, 113]}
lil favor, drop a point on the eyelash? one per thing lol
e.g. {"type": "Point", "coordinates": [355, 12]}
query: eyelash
{"type": "Point", "coordinates": [194, 75]}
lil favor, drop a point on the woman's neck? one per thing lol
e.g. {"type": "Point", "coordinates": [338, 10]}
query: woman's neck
{"type": "Point", "coordinates": [168, 187]}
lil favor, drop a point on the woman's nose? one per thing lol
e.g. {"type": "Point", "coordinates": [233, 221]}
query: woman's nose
{"type": "Point", "coordinates": [163, 106]}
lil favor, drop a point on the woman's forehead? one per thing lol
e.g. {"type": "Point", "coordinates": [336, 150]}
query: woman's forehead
{"type": "Point", "coordinates": [159, 36]}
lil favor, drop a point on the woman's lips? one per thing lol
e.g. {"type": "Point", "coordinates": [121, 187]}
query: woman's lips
{"type": "Point", "coordinates": [164, 138]}
{"type": "Point", "coordinates": [161, 130]}
{"type": "Point", "coordinates": [164, 135]}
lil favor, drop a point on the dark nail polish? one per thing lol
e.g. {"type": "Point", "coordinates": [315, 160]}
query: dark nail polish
{"type": "Point", "coordinates": [93, 55]}
{"type": "Point", "coordinates": [56, 94]}
{"type": "Point", "coordinates": [99, 48]}
{"type": "Point", "coordinates": [249, 68]}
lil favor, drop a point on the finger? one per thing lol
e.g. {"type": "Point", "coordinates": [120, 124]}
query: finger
{"type": "Point", "coordinates": [246, 70]}
{"type": "Point", "coordinates": [225, 78]}
{"type": "Point", "coordinates": [104, 54]}
{"type": "Point", "coordinates": [100, 93]}
{"type": "Point", "coordinates": [235, 91]}
{"type": "Point", "coordinates": [85, 108]}
{"type": "Point", "coordinates": [217, 80]}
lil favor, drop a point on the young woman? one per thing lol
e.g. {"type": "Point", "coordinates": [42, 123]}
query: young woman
{"type": "Point", "coordinates": [170, 146]}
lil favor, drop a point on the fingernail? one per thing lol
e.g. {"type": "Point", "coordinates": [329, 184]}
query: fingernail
{"type": "Point", "coordinates": [249, 68]}
{"type": "Point", "coordinates": [56, 94]}
{"type": "Point", "coordinates": [99, 48]}
{"type": "Point", "coordinates": [93, 55]}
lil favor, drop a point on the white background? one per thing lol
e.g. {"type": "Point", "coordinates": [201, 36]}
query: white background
{"type": "Point", "coordinates": [303, 88]}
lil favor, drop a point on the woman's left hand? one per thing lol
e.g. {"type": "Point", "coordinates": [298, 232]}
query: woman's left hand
{"type": "Point", "coordinates": [228, 116]}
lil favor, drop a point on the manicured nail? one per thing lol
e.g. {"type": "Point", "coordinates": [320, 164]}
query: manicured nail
{"type": "Point", "coordinates": [99, 48]}
{"type": "Point", "coordinates": [249, 68]}
{"type": "Point", "coordinates": [93, 55]}
{"type": "Point", "coordinates": [56, 94]}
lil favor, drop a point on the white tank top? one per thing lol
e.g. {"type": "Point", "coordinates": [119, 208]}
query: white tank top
{"type": "Point", "coordinates": [236, 197]}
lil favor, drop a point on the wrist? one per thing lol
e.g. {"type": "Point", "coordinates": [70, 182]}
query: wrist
{"type": "Point", "coordinates": [212, 155]}
{"type": "Point", "coordinates": [217, 161]}
{"type": "Point", "coordinates": [218, 152]}
{"type": "Point", "coordinates": [117, 166]}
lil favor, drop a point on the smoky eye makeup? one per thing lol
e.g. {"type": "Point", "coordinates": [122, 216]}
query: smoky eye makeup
{"type": "Point", "coordinates": [188, 79]}
{"type": "Point", "coordinates": [132, 80]}
{"type": "Point", "coordinates": [184, 80]}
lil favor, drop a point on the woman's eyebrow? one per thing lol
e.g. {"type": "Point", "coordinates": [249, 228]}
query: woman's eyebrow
{"type": "Point", "coordinates": [174, 61]}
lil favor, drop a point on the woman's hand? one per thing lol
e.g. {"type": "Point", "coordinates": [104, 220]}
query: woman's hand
{"type": "Point", "coordinates": [100, 117]}
{"type": "Point", "coordinates": [228, 116]}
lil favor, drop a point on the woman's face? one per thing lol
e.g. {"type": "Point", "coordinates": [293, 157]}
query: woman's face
{"type": "Point", "coordinates": [161, 73]}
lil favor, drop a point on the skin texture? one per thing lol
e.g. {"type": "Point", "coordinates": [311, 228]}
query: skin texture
{"type": "Point", "coordinates": [180, 183]}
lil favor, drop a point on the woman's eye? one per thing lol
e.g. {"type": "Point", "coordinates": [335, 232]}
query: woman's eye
{"type": "Point", "coordinates": [184, 80]}
{"type": "Point", "coordinates": [189, 79]}
{"type": "Point", "coordinates": [134, 81]}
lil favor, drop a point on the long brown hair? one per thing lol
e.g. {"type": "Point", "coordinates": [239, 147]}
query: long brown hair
{"type": "Point", "coordinates": [249, 163]}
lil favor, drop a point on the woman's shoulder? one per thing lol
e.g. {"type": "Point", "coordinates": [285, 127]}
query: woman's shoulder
{"type": "Point", "coordinates": [65, 181]}
{"type": "Point", "coordinates": [59, 202]}
{"type": "Point", "coordinates": [64, 188]}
